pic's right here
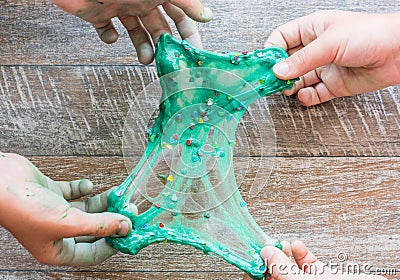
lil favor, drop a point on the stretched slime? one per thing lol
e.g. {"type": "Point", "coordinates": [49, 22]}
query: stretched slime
{"type": "Point", "coordinates": [185, 180]}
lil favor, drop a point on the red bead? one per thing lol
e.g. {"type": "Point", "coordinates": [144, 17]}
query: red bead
{"type": "Point", "coordinates": [158, 204]}
{"type": "Point", "coordinates": [161, 225]}
{"type": "Point", "coordinates": [245, 53]}
{"type": "Point", "coordinates": [189, 142]}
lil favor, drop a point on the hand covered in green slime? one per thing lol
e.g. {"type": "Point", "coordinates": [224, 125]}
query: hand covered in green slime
{"type": "Point", "coordinates": [35, 210]}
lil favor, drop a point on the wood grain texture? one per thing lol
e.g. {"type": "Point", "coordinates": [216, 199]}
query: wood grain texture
{"type": "Point", "coordinates": [64, 96]}
{"type": "Point", "coordinates": [84, 108]}
{"type": "Point", "coordinates": [333, 204]}
{"type": "Point", "coordinates": [35, 32]}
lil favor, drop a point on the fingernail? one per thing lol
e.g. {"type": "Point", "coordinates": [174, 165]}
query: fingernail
{"type": "Point", "coordinates": [194, 40]}
{"type": "Point", "coordinates": [145, 53]}
{"type": "Point", "coordinates": [281, 68]}
{"type": "Point", "coordinates": [208, 14]}
{"type": "Point", "coordinates": [123, 228]}
{"type": "Point", "coordinates": [109, 36]}
{"type": "Point", "coordinates": [267, 252]}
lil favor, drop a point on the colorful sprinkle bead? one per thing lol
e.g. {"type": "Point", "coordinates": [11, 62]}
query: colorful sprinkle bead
{"type": "Point", "coordinates": [170, 178]}
{"type": "Point", "coordinates": [243, 203]}
{"type": "Point", "coordinates": [178, 118]}
{"type": "Point", "coordinates": [158, 205]}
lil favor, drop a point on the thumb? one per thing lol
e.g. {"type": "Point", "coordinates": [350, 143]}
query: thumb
{"type": "Point", "coordinates": [279, 265]}
{"type": "Point", "coordinates": [319, 52]}
{"type": "Point", "coordinates": [79, 223]}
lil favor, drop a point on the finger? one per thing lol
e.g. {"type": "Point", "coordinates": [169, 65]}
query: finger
{"type": "Point", "coordinates": [306, 80]}
{"type": "Point", "coordinates": [78, 223]}
{"type": "Point", "coordinates": [286, 248]}
{"type": "Point", "coordinates": [300, 31]}
{"type": "Point", "coordinates": [140, 38]}
{"type": "Point", "coordinates": [106, 31]}
{"type": "Point", "coordinates": [155, 23]}
{"type": "Point", "coordinates": [94, 204]}
{"type": "Point", "coordinates": [194, 9]}
{"type": "Point", "coordinates": [83, 254]}
{"type": "Point", "coordinates": [305, 258]}
{"type": "Point", "coordinates": [320, 52]}
{"type": "Point", "coordinates": [279, 265]}
{"type": "Point", "coordinates": [85, 239]}
{"type": "Point", "coordinates": [314, 95]}
{"type": "Point", "coordinates": [187, 28]}
{"type": "Point", "coordinates": [71, 190]}
{"type": "Point", "coordinates": [99, 203]}
{"type": "Point", "coordinates": [293, 50]}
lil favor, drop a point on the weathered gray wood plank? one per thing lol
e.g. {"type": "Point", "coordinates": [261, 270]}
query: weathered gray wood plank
{"type": "Point", "coordinates": [84, 108]}
{"type": "Point", "coordinates": [332, 204]}
{"type": "Point", "coordinates": [134, 275]}
{"type": "Point", "coordinates": [36, 32]}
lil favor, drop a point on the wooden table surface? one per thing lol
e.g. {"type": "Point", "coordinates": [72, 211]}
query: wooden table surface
{"type": "Point", "coordinates": [335, 180]}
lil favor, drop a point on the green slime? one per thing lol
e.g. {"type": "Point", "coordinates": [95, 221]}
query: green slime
{"type": "Point", "coordinates": [197, 201]}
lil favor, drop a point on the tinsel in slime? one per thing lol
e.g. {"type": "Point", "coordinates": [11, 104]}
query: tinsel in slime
{"type": "Point", "coordinates": [195, 200]}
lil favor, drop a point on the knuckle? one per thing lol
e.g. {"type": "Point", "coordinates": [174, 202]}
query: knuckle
{"type": "Point", "coordinates": [299, 58]}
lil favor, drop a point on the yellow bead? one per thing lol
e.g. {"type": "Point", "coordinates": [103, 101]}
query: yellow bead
{"type": "Point", "coordinates": [170, 178]}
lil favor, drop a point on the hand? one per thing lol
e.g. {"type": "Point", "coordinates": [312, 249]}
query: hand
{"type": "Point", "coordinates": [142, 19]}
{"type": "Point", "coordinates": [338, 53]}
{"type": "Point", "coordinates": [305, 265]}
{"type": "Point", "coordinates": [34, 209]}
